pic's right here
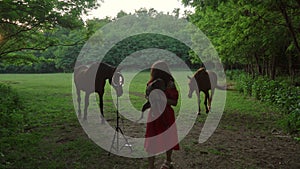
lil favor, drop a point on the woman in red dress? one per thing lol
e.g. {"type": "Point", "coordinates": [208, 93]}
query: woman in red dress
{"type": "Point", "coordinates": [161, 132]}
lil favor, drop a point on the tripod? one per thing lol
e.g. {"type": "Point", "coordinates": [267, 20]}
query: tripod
{"type": "Point", "coordinates": [118, 131]}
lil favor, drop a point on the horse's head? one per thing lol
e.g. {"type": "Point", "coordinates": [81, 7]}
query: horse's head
{"type": "Point", "coordinates": [192, 85]}
{"type": "Point", "coordinates": [117, 82]}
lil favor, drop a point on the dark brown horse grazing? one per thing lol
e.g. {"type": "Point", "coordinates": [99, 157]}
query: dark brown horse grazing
{"type": "Point", "coordinates": [91, 78]}
{"type": "Point", "coordinates": [205, 80]}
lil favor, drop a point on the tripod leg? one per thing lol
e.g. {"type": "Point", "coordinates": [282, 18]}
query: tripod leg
{"type": "Point", "coordinates": [126, 140]}
{"type": "Point", "coordinates": [113, 142]}
{"type": "Point", "coordinates": [117, 130]}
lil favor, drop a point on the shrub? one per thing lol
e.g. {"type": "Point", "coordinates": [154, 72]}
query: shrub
{"type": "Point", "coordinates": [277, 92]}
{"type": "Point", "coordinates": [244, 84]}
{"type": "Point", "coordinates": [293, 121]}
{"type": "Point", "coordinates": [258, 88]}
{"type": "Point", "coordinates": [233, 74]}
{"type": "Point", "coordinates": [11, 115]}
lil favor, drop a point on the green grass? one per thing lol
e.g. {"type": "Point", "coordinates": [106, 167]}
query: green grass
{"type": "Point", "coordinates": [53, 137]}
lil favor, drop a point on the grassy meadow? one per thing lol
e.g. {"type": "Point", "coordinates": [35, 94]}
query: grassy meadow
{"type": "Point", "coordinates": [53, 138]}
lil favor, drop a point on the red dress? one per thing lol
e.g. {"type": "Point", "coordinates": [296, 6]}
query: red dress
{"type": "Point", "coordinates": [161, 133]}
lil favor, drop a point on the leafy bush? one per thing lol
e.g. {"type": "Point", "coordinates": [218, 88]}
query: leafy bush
{"type": "Point", "coordinates": [293, 121]}
{"type": "Point", "coordinates": [11, 116]}
{"type": "Point", "coordinates": [265, 89]}
{"type": "Point", "coordinates": [244, 84]}
{"type": "Point", "coordinates": [258, 88]}
{"type": "Point", "coordinates": [233, 74]}
{"type": "Point", "coordinates": [278, 92]}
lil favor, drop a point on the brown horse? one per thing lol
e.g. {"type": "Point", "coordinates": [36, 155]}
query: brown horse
{"type": "Point", "coordinates": [203, 81]}
{"type": "Point", "coordinates": [91, 78]}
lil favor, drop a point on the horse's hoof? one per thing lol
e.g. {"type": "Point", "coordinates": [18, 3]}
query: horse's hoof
{"type": "Point", "coordinates": [198, 113]}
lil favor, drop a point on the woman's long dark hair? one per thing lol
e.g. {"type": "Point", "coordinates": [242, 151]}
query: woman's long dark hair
{"type": "Point", "coordinates": [161, 70]}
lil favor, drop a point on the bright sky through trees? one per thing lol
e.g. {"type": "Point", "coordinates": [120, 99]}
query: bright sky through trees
{"type": "Point", "coordinates": [112, 7]}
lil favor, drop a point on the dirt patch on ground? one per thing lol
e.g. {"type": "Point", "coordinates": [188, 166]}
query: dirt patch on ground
{"type": "Point", "coordinates": [239, 147]}
{"type": "Point", "coordinates": [240, 141]}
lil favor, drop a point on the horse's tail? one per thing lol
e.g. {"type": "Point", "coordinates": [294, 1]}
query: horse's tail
{"type": "Point", "coordinates": [221, 87]}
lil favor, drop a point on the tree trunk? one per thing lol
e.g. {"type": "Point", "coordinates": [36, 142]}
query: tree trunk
{"type": "Point", "coordinates": [298, 1]}
{"type": "Point", "coordinates": [265, 67]}
{"type": "Point", "coordinates": [289, 25]}
{"type": "Point", "coordinates": [257, 64]}
{"type": "Point", "coordinates": [273, 68]}
{"type": "Point", "coordinates": [290, 67]}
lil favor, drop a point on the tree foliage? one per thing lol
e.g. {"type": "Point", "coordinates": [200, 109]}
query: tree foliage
{"type": "Point", "coordinates": [61, 58]}
{"type": "Point", "coordinates": [261, 35]}
{"type": "Point", "coordinates": [29, 24]}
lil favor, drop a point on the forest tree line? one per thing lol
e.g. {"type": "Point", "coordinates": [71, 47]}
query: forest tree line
{"type": "Point", "coordinates": [261, 37]}
{"type": "Point", "coordinates": [47, 47]}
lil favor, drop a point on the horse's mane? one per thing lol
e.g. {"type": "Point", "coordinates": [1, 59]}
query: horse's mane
{"type": "Point", "coordinates": [199, 71]}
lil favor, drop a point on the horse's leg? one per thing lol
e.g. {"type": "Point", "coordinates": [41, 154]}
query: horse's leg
{"type": "Point", "coordinates": [86, 104]}
{"type": "Point", "coordinates": [205, 100]}
{"type": "Point", "coordinates": [210, 98]}
{"type": "Point", "coordinates": [101, 106]}
{"type": "Point", "coordinates": [198, 101]}
{"type": "Point", "coordinates": [78, 101]}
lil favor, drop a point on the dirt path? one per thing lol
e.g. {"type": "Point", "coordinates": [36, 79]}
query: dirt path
{"type": "Point", "coordinates": [240, 141]}
{"type": "Point", "coordinates": [239, 146]}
